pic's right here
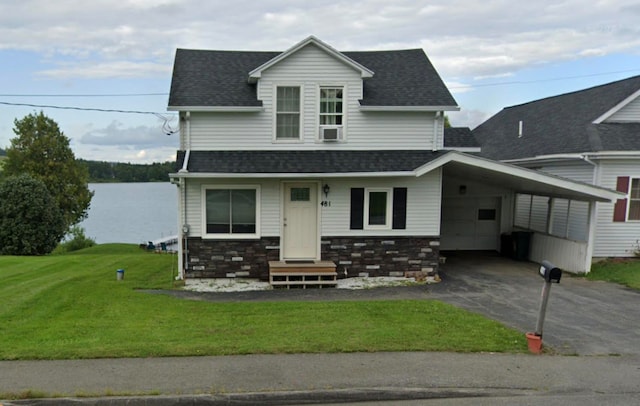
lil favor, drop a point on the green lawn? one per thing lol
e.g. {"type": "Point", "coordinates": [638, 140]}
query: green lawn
{"type": "Point", "coordinates": [623, 271]}
{"type": "Point", "coordinates": [72, 306]}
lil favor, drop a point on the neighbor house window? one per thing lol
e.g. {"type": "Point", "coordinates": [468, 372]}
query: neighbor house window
{"type": "Point", "coordinates": [231, 211]}
{"type": "Point", "coordinates": [634, 200]}
{"type": "Point", "coordinates": [377, 208]}
{"type": "Point", "coordinates": [331, 106]}
{"type": "Point", "coordinates": [287, 113]}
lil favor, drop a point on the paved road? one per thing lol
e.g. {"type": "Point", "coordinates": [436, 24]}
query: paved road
{"type": "Point", "coordinates": [296, 379]}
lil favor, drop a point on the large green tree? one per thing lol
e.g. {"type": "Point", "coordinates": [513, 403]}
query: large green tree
{"type": "Point", "coordinates": [41, 150]}
{"type": "Point", "coordinates": [30, 221]}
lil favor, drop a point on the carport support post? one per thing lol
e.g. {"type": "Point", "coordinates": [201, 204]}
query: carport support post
{"type": "Point", "coordinates": [543, 307]}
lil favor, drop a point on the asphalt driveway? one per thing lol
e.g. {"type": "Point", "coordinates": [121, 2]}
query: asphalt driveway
{"type": "Point", "coordinates": [583, 317]}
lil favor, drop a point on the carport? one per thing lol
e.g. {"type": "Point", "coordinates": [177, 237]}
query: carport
{"type": "Point", "coordinates": [478, 206]}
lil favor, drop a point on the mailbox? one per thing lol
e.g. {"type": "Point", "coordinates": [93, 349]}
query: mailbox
{"type": "Point", "coordinates": [550, 272]}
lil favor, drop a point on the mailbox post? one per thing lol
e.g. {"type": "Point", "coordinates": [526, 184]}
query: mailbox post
{"type": "Point", "coordinates": [551, 274]}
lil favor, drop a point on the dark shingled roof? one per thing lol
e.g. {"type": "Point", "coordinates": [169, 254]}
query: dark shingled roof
{"type": "Point", "coordinates": [459, 137]}
{"type": "Point", "coordinates": [321, 161]}
{"type": "Point", "coordinates": [220, 78]}
{"type": "Point", "coordinates": [561, 124]}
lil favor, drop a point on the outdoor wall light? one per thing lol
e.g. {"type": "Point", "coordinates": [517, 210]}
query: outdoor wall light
{"type": "Point", "coordinates": [462, 189]}
{"type": "Point", "coordinates": [326, 189]}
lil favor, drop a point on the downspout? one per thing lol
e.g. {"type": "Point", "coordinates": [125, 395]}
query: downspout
{"type": "Point", "coordinates": [436, 127]}
{"type": "Point", "coordinates": [593, 217]}
{"type": "Point", "coordinates": [184, 231]}
{"type": "Point", "coordinates": [185, 163]}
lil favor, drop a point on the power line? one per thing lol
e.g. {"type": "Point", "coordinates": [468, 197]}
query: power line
{"type": "Point", "coordinates": [86, 95]}
{"type": "Point", "coordinates": [166, 127]}
{"type": "Point", "coordinates": [525, 82]}
{"type": "Point", "coordinates": [46, 106]}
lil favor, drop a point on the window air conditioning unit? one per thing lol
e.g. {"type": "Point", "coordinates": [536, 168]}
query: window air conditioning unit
{"type": "Point", "coordinates": [330, 133]}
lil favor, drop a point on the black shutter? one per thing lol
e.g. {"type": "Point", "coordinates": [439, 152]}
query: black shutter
{"type": "Point", "coordinates": [399, 208]}
{"type": "Point", "coordinates": [357, 209]}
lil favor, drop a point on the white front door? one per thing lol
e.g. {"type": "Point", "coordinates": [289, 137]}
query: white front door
{"type": "Point", "coordinates": [300, 221]}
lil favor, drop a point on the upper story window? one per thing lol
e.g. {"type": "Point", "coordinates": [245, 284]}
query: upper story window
{"type": "Point", "coordinates": [288, 113]}
{"type": "Point", "coordinates": [331, 106]}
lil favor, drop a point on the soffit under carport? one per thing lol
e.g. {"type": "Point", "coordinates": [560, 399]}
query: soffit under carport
{"type": "Point", "coordinates": [518, 183]}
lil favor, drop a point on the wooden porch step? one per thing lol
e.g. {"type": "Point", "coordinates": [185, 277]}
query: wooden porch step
{"type": "Point", "coordinates": [316, 274]}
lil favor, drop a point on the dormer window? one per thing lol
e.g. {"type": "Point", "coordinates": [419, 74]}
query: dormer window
{"type": "Point", "coordinates": [331, 106]}
{"type": "Point", "coordinates": [288, 113]}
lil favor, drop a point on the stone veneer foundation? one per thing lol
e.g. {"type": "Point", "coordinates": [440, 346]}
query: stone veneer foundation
{"type": "Point", "coordinates": [353, 256]}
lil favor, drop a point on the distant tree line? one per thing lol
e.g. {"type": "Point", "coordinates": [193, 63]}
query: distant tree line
{"type": "Point", "coordinates": [101, 171]}
{"type": "Point", "coordinates": [3, 152]}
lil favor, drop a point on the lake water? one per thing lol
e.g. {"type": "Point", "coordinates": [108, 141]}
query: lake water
{"type": "Point", "coordinates": [132, 212]}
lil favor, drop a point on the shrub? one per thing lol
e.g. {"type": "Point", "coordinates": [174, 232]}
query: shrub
{"type": "Point", "coordinates": [74, 241]}
{"type": "Point", "coordinates": [31, 222]}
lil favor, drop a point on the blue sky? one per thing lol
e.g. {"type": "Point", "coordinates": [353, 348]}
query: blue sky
{"type": "Point", "coordinates": [118, 56]}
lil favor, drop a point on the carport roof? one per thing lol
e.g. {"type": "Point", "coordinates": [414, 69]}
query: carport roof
{"type": "Point", "coordinates": [380, 163]}
{"type": "Point", "coordinates": [518, 179]}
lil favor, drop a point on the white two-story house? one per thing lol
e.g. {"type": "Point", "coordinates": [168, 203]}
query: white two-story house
{"type": "Point", "coordinates": [315, 158]}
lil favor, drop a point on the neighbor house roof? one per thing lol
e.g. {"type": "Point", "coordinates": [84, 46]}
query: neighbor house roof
{"type": "Point", "coordinates": [221, 78]}
{"type": "Point", "coordinates": [305, 162]}
{"type": "Point", "coordinates": [561, 124]}
{"type": "Point", "coordinates": [459, 137]}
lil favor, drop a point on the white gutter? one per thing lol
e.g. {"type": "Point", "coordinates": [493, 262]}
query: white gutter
{"type": "Point", "coordinates": [197, 175]}
{"type": "Point", "coordinates": [409, 108]}
{"type": "Point", "coordinates": [185, 163]}
{"type": "Point", "coordinates": [579, 156]}
{"type": "Point", "coordinates": [436, 118]}
{"type": "Point", "coordinates": [218, 109]}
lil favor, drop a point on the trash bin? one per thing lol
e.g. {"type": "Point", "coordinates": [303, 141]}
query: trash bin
{"type": "Point", "coordinates": [120, 274]}
{"type": "Point", "coordinates": [506, 245]}
{"type": "Point", "coordinates": [521, 243]}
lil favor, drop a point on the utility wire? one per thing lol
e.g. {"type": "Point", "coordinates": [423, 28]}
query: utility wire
{"type": "Point", "coordinates": [526, 82]}
{"type": "Point", "coordinates": [46, 106]}
{"type": "Point", "coordinates": [86, 95]}
{"type": "Point", "coordinates": [166, 127]}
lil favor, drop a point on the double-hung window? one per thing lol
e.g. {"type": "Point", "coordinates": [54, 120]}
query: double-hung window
{"type": "Point", "coordinates": [287, 113]}
{"type": "Point", "coordinates": [331, 106]}
{"type": "Point", "coordinates": [231, 211]}
{"type": "Point", "coordinates": [634, 200]}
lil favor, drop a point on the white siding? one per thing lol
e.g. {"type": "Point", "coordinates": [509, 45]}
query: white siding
{"type": "Point", "coordinates": [423, 204]}
{"type": "Point", "coordinates": [311, 68]}
{"type": "Point", "coordinates": [617, 239]}
{"type": "Point", "coordinates": [565, 254]}
{"type": "Point", "coordinates": [630, 112]}
{"type": "Point", "coordinates": [575, 170]}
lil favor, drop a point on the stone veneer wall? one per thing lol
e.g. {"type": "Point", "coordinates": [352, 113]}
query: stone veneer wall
{"type": "Point", "coordinates": [353, 256]}
{"type": "Point", "coordinates": [231, 258]}
{"type": "Point", "coordinates": [382, 256]}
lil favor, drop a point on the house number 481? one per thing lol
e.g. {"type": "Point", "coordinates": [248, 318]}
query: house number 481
{"type": "Point", "coordinates": [325, 203]}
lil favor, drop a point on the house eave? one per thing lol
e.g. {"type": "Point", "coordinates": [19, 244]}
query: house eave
{"type": "Point", "coordinates": [289, 175]}
{"type": "Point", "coordinates": [409, 108]}
{"type": "Point", "coordinates": [218, 109]}
{"type": "Point", "coordinates": [463, 149]}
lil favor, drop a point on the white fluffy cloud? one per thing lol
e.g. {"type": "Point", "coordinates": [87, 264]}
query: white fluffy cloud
{"type": "Point", "coordinates": [465, 39]}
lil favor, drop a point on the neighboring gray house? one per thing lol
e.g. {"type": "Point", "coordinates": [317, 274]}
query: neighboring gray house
{"type": "Point", "coordinates": [310, 164]}
{"type": "Point", "coordinates": [592, 136]}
